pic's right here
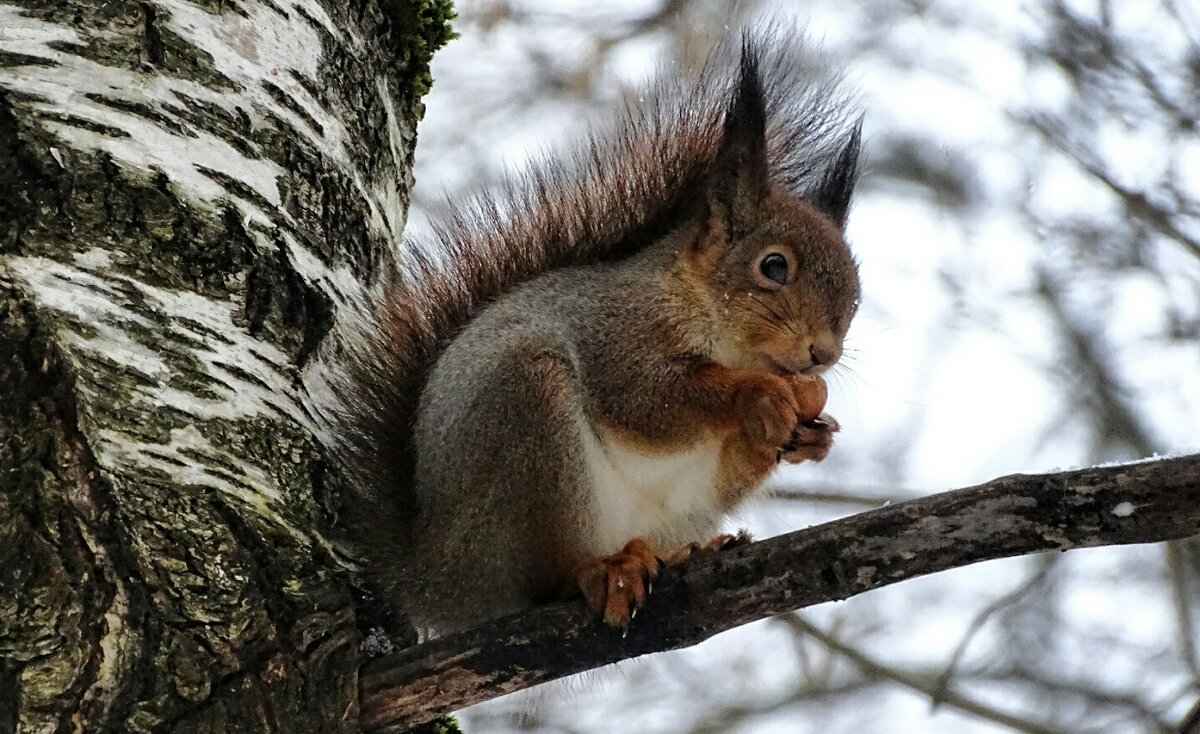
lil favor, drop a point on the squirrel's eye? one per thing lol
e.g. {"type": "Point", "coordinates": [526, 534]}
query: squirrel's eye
{"type": "Point", "coordinates": [775, 267]}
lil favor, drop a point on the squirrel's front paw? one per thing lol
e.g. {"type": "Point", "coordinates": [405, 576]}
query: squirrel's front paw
{"type": "Point", "coordinates": [617, 585]}
{"type": "Point", "coordinates": [768, 410]}
{"type": "Point", "coordinates": [810, 392]}
{"type": "Point", "coordinates": [811, 440]}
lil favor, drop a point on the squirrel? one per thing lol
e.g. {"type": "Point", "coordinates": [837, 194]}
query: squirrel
{"type": "Point", "coordinates": [583, 373]}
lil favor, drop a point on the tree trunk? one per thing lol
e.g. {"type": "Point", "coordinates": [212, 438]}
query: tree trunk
{"type": "Point", "coordinates": [189, 195]}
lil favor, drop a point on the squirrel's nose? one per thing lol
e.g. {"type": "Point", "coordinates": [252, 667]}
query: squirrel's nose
{"type": "Point", "coordinates": [823, 354]}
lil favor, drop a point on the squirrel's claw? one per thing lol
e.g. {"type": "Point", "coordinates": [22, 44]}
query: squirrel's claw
{"type": "Point", "coordinates": [811, 440]}
{"type": "Point", "coordinates": [617, 585]}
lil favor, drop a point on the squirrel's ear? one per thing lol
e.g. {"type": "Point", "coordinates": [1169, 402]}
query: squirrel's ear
{"type": "Point", "coordinates": [832, 195]}
{"type": "Point", "coordinates": [738, 183]}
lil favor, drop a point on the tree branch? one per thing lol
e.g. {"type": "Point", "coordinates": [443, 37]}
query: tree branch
{"type": "Point", "coordinates": [1014, 515]}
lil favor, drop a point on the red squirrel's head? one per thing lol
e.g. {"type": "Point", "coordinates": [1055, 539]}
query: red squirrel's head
{"type": "Point", "coordinates": [772, 265]}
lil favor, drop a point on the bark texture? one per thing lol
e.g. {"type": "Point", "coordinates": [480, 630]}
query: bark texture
{"type": "Point", "coordinates": [1014, 515]}
{"type": "Point", "coordinates": [190, 193]}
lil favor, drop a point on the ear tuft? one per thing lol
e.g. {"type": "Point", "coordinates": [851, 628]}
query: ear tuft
{"type": "Point", "coordinates": [738, 183]}
{"type": "Point", "coordinates": [832, 195]}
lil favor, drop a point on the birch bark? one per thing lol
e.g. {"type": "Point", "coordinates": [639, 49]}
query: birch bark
{"type": "Point", "coordinates": [193, 196]}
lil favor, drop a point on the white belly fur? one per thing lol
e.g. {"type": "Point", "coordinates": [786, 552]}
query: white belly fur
{"type": "Point", "coordinates": [665, 498]}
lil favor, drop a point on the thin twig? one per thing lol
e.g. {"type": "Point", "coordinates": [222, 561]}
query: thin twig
{"type": "Point", "coordinates": [924, 685]}
{"type": "Point", "coordinates": [1183, 611]}
{"type": "Point", "coordinates": [943, 680]}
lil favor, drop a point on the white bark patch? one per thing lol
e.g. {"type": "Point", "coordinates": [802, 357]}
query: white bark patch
{"type": "Point", "coordinates": [263, 56]}
{"type": "Point", "coordinates": [261, 52]}
{"type": "Point", "coordinates": [225, 358]}
{"type": "Point", "coordinates": [339, 283]}
{"type": "Point", "coordinates": [76, 86]}
{"type": "Point", "coordinates": [22, 34]}
{"type": "Point", "coordinates": [97, 324]}
{"type": "Point", "coordinates": [183, 322]}
{"type": "Point", "coordinates": [267, 50]}
{"type": "Point", "coordinates": [93, 259]}
{"type": "Point", "coordinates": [191, 459]}
{"type": "Point", "coordinates": [93, 301]}
{"type": "Point", "coordinates": [1123, 509]}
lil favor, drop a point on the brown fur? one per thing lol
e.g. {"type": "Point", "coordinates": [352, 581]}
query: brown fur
{"type": "Point", "coordinates": [622, 287]}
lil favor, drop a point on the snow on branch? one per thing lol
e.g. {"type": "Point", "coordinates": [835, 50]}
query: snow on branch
{"type": "Point", "coordinates": [1014, 515]}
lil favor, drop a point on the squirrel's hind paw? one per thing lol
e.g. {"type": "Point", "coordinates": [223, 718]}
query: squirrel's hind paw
{"type": "Point", "coordinates": [617, 585]}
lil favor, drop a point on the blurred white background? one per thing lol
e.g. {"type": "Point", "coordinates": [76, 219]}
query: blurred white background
{"type": "Point", "coordinates": [1029, 232]}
